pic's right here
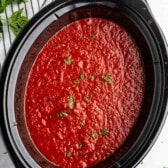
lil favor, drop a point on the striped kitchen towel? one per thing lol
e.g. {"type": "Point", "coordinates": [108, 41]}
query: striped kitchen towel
{"type": "Point", "coordinates": [31, 7]}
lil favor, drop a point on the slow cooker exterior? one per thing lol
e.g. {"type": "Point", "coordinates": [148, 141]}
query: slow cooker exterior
{"type": "Point", "coordinates": [139, 13]}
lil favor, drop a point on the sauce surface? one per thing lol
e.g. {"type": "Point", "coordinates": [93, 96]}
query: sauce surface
{"type": "Point", "coordinates": [84, 93]}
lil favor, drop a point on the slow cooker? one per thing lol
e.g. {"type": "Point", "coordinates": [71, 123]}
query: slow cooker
{"type": "Point", "coordinates": [136, 17]}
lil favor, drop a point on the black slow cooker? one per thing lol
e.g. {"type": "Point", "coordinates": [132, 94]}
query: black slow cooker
{"type": "Point", "coordinates": [135, 16]}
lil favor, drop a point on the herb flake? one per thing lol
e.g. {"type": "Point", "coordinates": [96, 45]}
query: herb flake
{"type": "Point", "coordinates": [68, 153]}
{"type": "Point", "coordinates": [80, 144]}
{"type": "Point", "coordinates": [68, 61]}
{"type": "Point", "coordinates": [92, 77]}
{"type": "Point", "coordinates": [89, 96]}
{"type": "Point", "coordinates": [71, 102]}
{"type": "Point", "coordinates": [94, 135]}
{"type": "Point", "coordinates": [82, 76]}
{"type": "Point", "coordinates": [82, 123]}
{"type": "Point", "coordinates": [104, 132]}
{"type": "Point", "coordinates": [107, 79]}
{"type": "Point", "coordinates": [62, 115]}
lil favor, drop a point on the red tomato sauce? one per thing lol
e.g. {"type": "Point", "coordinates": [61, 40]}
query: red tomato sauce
{"type": "Point", "coordinates": [84, 93]}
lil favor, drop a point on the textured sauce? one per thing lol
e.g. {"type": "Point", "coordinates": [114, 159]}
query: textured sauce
{"type": "Point", "coordinates": [84, 93]}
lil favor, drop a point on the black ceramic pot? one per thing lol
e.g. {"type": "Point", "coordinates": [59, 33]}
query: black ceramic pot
{"type": "Point", "coordinates": [135, 16]}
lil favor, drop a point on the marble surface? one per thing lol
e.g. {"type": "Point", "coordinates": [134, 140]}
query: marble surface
{"type": "Point", "coordinates": [158, 155]}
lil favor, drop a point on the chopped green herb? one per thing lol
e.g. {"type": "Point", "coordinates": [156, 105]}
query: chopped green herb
{"type": "Point", "coordinates": [68, 153]}
{"type": "Point", "coordinates": [62, 115]}
{"type": "Point", "coordinates": [80, 144]}
{"type": "Point", "coordinates": [82, 123]}
{"type": "Point", "coordinates": [71, 102]}
{"type": "Point", "coordinates": [82, 76]}
{"type": "Point", "coordinates": [89, 96]}
{"type": "Point", "coordinates": [108, 79]}
{"type": "Point", "coordinates": [94, 135]}
{"type": "Point", "coordinates": [104, 132]}
{"type": "Point", "coordinates": [68, 61]}
{"type": "Point", "coordinates": [92, 77]}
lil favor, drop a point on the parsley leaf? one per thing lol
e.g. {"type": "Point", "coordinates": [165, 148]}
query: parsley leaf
{"type": "Point", "coordinates": [17, 21]}
{"type": "Point", "coordinates": [108, 79]}
{"type": "Point", "coordinates": [82, 123]}
{"type": "Point", "coordinates": [71, 102]}
{"type": "Point", "coordinates": [92, 77]}
{"type": "Point", "coordinates": [68, 153]}
{"type": "Point", "coordinates": [62, 114]}
{"type": "Point", "coordinates": [104, 132]}
{"type": "Point", "coordinates": [94, 135]}
{"type": "Point", "coordinates": [80, 144]}
{"type": "Point", "coordinates": [4, 4]}
{"type": "Point", "coordinates": [89, 96]}
{"type": "Point", "coordinates": [82, 76]}
{"type": "Point", "coordinates": [68, 61]}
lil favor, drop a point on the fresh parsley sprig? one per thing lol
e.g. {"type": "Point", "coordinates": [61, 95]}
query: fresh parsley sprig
{"type": "Point", "coordinates": [5, 3]}
{"type": "Point", "coordinates": [16, 21]}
